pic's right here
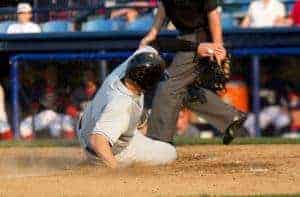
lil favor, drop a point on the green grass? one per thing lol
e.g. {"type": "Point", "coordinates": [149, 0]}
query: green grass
{"type": "Point", "coordinates": [179, 141]}
{"type": "Point", "coordinates": [239, 141]}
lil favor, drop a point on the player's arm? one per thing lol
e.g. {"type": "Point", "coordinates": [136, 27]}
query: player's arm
{"type": "Point", "coordinates": [157, 24]}
{"type": "Point", "coordinates": [101, 146]}
{"type": "Point", "coordinates": [215, 27]}
{"type": "Point", "coordinates": [214, 21]}
{"type": "Point", "coordinates": [114, 121]}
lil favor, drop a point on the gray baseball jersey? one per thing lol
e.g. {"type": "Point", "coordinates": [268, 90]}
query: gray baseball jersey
{"type": "Point", "coordinates": [114, 112]}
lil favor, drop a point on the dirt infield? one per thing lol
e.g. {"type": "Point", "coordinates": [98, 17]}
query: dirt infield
{"type": "Point", "coordinates": [243, 169]}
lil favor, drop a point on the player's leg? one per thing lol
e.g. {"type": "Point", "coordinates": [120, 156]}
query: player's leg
{"type": "Point", "coordinates": [5, 130]}
{"type": "Point", "coordinates": [62, 125]}
{"type": "Point", "coordinates": [3, 116]}
{"type": "Point", "coordinates": [282, 121]}
{"type": "Point", "coordinates": [83, 139]}
{"type": "Point", "coordinates": [26, 128]}
{"type": "Point", "coordinates": [271, 115]}
{"type": "Point", "coordinates": [169, 97]}
{"type": "Point", "coordinates": [147, 151]}
{"type": "Point", "coordinates": [223, 116]}
{"type": "Point", "coordinates": [37, 122]}
{"type": "Point", "coordinates": [250, 124]}
{"type": "Point", "coordinates": [68, 126]}
{"type": "Point", "coordinates": [55, 127]}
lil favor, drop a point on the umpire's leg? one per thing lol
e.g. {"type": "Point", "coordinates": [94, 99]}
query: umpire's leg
{"type": "Point", "coordinates": [213, 109]}
{"type": "Point", "coordinates": [169, 97]}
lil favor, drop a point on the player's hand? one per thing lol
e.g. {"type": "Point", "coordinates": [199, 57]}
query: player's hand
{"type": "Point", "coordinates": [220, 53]}
{"type": "Point", "coordinates": [206, 50]}
{"type": "Point", "coordinates": [213, 51]}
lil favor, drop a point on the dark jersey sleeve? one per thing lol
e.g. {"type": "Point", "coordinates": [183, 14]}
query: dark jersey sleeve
{"type": "Point", "coordinates": [211, 5]}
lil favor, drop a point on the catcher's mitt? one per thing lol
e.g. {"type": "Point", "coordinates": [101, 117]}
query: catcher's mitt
{"type": "Point", "coordinates": [211, 75]}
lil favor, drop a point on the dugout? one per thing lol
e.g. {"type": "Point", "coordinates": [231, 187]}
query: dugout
{"type": "Point", "coordinates": [253, 43]}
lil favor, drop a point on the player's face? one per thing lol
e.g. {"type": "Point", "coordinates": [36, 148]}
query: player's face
{"type": "Point", "coordinates": [133, 87]}
{"type": "Point", "coordinates": [24, 17]}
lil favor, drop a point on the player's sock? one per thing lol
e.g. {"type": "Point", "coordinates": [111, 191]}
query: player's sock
{"type": "Point", "coordinates": [6, 135]}
{"type": "Point", "coordinates": [69, 134]}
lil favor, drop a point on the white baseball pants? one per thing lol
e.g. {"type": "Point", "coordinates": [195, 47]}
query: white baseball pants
{"type": "Point", "coordinates": [144, 150]}
{"type": "Point", "coordinates": [3, 116]}
{"type": "Point", "coordinates": [269, 115]}
{"type": "Point", "coordinates": [47, 119]}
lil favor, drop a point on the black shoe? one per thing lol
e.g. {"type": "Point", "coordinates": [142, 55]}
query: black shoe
{"type": "Point", "coordinates": [232, 131]}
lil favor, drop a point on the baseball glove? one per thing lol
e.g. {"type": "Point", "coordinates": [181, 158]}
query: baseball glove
{"type": "Point", "coordinates": [211, 75]}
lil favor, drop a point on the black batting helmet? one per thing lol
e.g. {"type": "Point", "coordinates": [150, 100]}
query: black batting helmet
{"type": "Point", "coordinates": [145, 69]}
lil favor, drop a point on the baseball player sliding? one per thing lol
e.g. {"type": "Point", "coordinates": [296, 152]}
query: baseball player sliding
{"type": "Point", "coordinates": [108, 130]}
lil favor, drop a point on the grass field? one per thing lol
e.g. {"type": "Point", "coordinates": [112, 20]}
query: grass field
{"type": "Point", "coordinates": [250, 167]}
{"type": "Point", "coordinates": [179, 141]}
{"type": "Point", "coordinates": [239, 141]}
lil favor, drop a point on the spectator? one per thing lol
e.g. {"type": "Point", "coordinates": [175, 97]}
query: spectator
{"type": "Point", "coordinates": [184, 126]}
{"type": "Point", "coordinates": [83, 94]}
{"type": "Point", "coordinates": [47, 117]}
{"type": "Point", "coordinates": [5, 131]}
{"type": "Point", "coordinates": [294, 104]}
{"type": "Point", "coordinates": [24, 25]}
{"type": "Point", "coordinates": [130, 14]}
{"type": "Point", "coordinates": [295, 14]}
{"type": "Point", "coordinates": [274, 113]}
{"type": "Point", "coordinates": [64, 14]}
{"type": "Point", "coordinates": [293, 18]}
{"type": "Point", "coordinates": [264, 13]}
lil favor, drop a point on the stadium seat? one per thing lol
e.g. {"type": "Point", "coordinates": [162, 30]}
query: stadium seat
{"type": "Point", "coordinates": [57, 26]}
{"type": "Point", "coordinates": [103, 25]}
{"type": "Point", "coordinates": [4, 26]}
{"type": "Point", "coordinates": [141, 24]}
{"type": "Point", "coordinates": [228, 21]}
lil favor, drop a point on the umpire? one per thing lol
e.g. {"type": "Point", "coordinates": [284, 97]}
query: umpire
{"type": "Point", "coordinates": [197, 21]}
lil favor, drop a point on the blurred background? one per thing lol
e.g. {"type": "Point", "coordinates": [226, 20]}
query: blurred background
{"type": "Point", "coordinates": [54, 93]}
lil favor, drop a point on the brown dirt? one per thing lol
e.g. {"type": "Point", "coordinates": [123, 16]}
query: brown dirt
{"type": "Point", "coordinates": [249, 169]}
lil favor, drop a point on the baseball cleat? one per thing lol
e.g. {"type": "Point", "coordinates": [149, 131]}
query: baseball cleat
{"type": "Point", "coordinates": [232, 131]}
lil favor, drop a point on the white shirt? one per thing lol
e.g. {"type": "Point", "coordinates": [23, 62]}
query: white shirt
{"type": "Point", "coordinates": [114, 112]}
{"type": "Point", "coordinates": [19, 28]}
{"type": "Point", "coordinates": [262, 15]}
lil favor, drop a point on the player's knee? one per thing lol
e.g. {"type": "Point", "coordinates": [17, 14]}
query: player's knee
{"type": "Point", "coordinates": [55, 129]}
{"type": "Point", "coordinates": [26, 129]}
{"type": "Point", "coordinates": [170, 154]}
{"type": "Point", "coordinates": [46, 117]}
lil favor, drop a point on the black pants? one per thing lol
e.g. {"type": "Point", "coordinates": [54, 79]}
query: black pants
{"type": "Point", "coordinates": [171, 93]}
